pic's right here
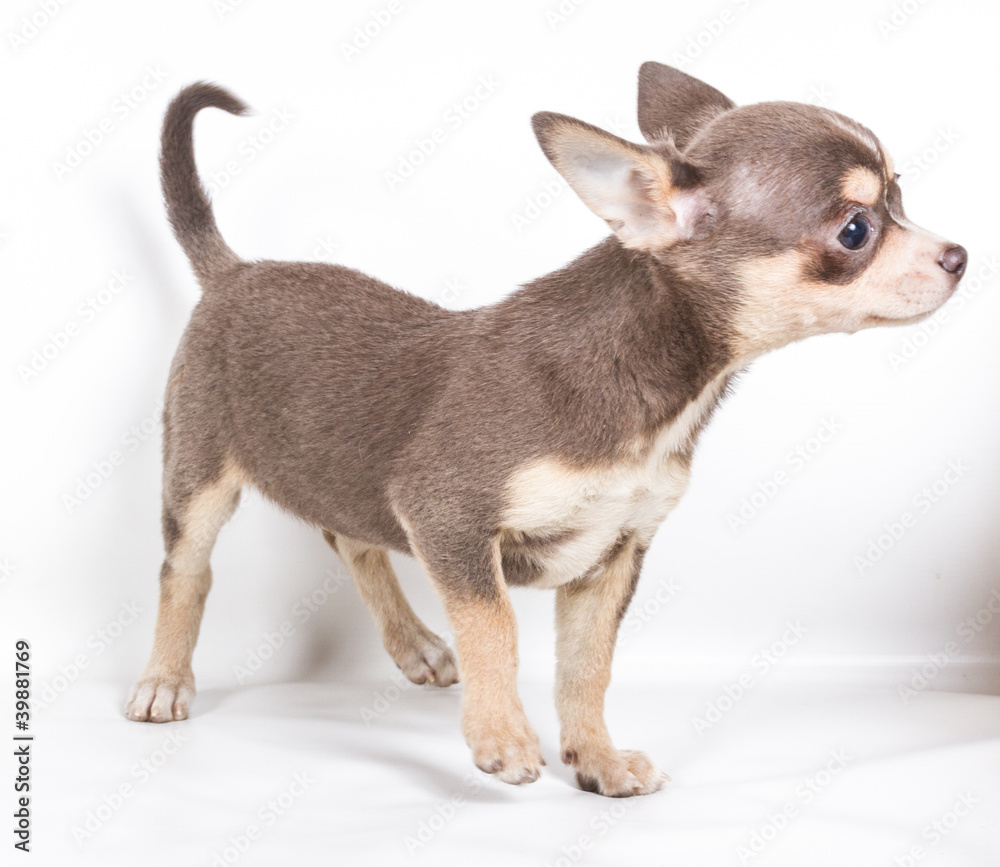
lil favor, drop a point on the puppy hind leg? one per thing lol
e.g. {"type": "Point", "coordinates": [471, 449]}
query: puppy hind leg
{"type": "Point", "coordinates": [420, 654]}
{"type": "Point", "coordinates": [192, 520]}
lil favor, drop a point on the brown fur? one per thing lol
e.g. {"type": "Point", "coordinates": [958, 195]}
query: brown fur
{"type": "Point", "coordinates": [537, 441]}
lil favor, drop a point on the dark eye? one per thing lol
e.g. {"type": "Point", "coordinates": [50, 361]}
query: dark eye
{"type": "Point", "coordinates": [856, 233]}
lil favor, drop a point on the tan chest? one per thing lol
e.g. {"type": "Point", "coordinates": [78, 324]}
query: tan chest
{"type": "Point", "coordinates": [562, 520]}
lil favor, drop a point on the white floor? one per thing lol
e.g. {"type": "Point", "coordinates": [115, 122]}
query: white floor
{"type": "Point", "coordinates": [335, 774]}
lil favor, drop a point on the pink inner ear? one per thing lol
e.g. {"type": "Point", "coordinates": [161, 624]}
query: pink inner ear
{"type": "Point", "coordinates": [689, 206]}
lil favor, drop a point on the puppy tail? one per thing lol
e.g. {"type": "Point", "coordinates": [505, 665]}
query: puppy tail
{"type": "Point", "coordinates": [188, 206]}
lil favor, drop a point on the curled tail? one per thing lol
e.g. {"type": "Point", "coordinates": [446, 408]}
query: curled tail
{"type": "Point", "coordinates": [188, 207]}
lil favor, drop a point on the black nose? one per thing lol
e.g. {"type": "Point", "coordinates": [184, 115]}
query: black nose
{"type": "Point", "coordinates": [954, 260]}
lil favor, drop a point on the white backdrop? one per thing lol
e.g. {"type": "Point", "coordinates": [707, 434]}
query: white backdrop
{"type": "Point", "coordinates": [789, 559]}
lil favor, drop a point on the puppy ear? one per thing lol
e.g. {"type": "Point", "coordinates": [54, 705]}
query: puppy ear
{"type": "Point", "coordinates": [634, 188]}
{"type": "Point", "coordinates": [674, 105]}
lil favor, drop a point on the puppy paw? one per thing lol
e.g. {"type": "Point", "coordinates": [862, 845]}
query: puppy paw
{"type": "Point", "coordinates": [615, 773]}
{"type": "Point", "coordinates": [425, 658]}
{"type": "Point", "coordinates": [160, 698]}
{"type": "Point", "coordinates": [515, 759]}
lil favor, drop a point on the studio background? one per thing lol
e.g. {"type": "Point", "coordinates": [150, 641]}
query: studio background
{"type": "Point", "coordinates": [791, 557]}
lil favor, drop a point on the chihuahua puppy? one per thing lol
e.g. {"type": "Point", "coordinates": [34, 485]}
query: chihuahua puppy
{"type": "Point", "coordinates": [536, 442]}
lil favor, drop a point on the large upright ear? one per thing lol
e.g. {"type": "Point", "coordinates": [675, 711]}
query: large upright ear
{"type": "Point", "coordinates": [674, 105]}
{"type": "Point", "coordinates": [634, 188]}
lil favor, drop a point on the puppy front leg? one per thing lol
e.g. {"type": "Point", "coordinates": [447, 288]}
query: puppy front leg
{"type": "Point", "coordinates": [470, 581]}
{"type": "Point", "coordinates": [493, 721]}
{"type": "Point", "coordinates": [588, 613]}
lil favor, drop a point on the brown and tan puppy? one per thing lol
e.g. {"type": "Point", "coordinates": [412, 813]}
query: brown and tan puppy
{"type": "Point", "coordinates": [536, 442]}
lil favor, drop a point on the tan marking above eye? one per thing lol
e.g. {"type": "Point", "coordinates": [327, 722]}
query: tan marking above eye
{"type": "Point", "coordinates": [861, 185]}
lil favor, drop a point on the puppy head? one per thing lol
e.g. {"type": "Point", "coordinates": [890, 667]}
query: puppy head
{"type": "Point", "coordinates": [793, 210]}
